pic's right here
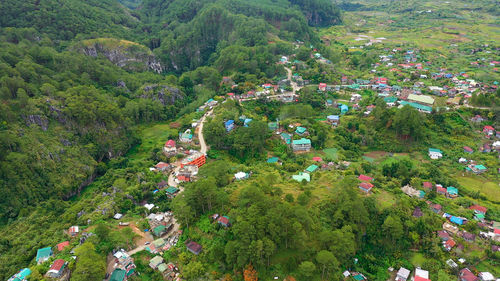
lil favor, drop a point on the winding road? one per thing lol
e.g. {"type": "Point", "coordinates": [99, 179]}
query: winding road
{"type": "Point", "coordinates": [171, 177]}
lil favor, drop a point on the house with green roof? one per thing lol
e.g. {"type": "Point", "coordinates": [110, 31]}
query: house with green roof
{"type": "Point", "coordinates": [171, 191]}
{"type": "Point", "coordinates": [452, 192]}
{"type": "Point", "coordinates": [43, 255]}
{"type": "Point", "coordinates": [22, 275]}
{"type": "Point", "coordinates": [155, 262]}
{"type": "Point", "coordinates": [300, 130]}
{"type": "Point", "coordinates": [301, 145]}
{"type": "Point", "coordinates": [159, 230]}
{"type": "Point", "coordinates": [272, 126]}
{"type": "Point", "coordinates": [476, 169]}
{"type": "Point", "coordinates": [158, 243]}
{"type": "Point", "coordinates": [435, 153]}
{"type": "Point", "coordinates": [421, 99]}
{"type": "Point", "coordinates": [118, 275]}
{"type": "Point", "coordinates": [390, 101]}
{"type": "Point", "coordinates": [286, 137]}
{"type": "Point", "coordinates": [162, 267]}
{"type": "Point", "coordinates": [301, 177]}
{"type": "Point", "coordinates": [311, 168]}
{"type": "Point", "coordinates": [417, 106]}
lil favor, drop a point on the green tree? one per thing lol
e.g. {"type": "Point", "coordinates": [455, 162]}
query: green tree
{"type": "Point", "coordinates": [90, 266]}
{"type": "Point", "coordinates": [307, 269]}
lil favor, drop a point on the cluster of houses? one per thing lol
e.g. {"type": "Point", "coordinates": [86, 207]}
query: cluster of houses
{"type": "Point", "coordinates": [123, 266]}
{"type": "Point", "coordinates": [168, 270]}
{"type": "Point", "coordinates": [160, 223]}
{"type": "Point", "coordinates": [450, 191]}
{"type": "Point", "coordinates": [161, 245]}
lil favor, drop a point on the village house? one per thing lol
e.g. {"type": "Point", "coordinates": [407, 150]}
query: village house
{"type": "Point", "coordinates": [489, 130]}
{"type": "Point", "coordinates": [43, 254]}
{"type": "Point", "coordinates": [322, 87]}
{"type": "Point", "coordinates": [73, 231]}
{"type": "Point", "coordinates": [452, 192]}
{"type": "Point", "coordinates": [402, 274]}
{"type": "Point", "coordinates": [194, 247]}
{"type": "Point", "coordinates": [300, 131]}
{"type": "Point", "coordinates": [60, 247]}
{"type": "Point", "coordinates": [421, 99]}
{"type": "Point", "coordinates": [486, 276]}
{"type": "Point", "coordinates": [435, 153]}
{"type": "Point", "coordinates": [427, 185]}
{"type": "Point", "coordinates": [468, 150]}
{"type": "Point", "coordinates": [485, 148]}
{"type": "Point", "coordinates": [420, 273]}
{"type": "Point", "coordinates": [467, 236]}
{"type": "Point", "coordinates": [224, 221]}
{"type": "Point", "coordinates": [195, 158]}
{"type": "Point", "coordinates": [56, 270]}
{"type": "Point", "coordinates": [477, 119]}
{"type": "Point", "coordinates": [449, 244]}
{"type": "Point", "coordinates": [390, 101]}
{"type": "Point", "coordinates": [155, 262]}
{"type": "Point", "coordinates": [301, 145]}
{"type": "Point", "coordinates": [333, 119]}
{"type": "Point", "coordinates": [440, 189]}
{"type": "Point", "coordinates": [22, 275]}
{"type": "Point", "coordinates": [450, 228]}
{"type": "Point", "coordinates": [443, 235]}
{"type": "Point", "coordinates": [287, 138]}
{"type": "Point", "coordinates": [301, 177]}
{"type": "Point", "coordinates": [476, 169]}
{"type": "Point", "coordinates": [162, 166]}
{"type": "Point", "coordinates": [170, 147]}
{"type": "Point", "coordinates": [366, 186]}
{"type": "Point", "coordinates": [171, 191]}
{"type": "Point", "coordinates": [186, 137]}
{"type": "Point", "coordinates": [241, 176]}
{"type": "Point", "coordinates": [478, 209]}
{"type": "Point", "coordinates": [436, 208]}
{"type": "Point", "coordinates": [467, 275]}
{"type": "Point", "coordinates": [229, 125]}
{"type": "Point", "coordinates": [124, 265]}
{"type": "Point", "coordinates": [417, 213]}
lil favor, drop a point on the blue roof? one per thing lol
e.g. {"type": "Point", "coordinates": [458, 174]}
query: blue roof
{"type": "Point", "coordinates": [457, 220]}
{"type": "Point", "coordinates": [43, 253]}
{"type": "Point", "coordinates": [229, 122]}
{"type": "Point", "coordinates": [343, 108]}
{"type": "Point", "coordinates": [452, 190]}
{"type": "Point", "coordinates": [333, 117]}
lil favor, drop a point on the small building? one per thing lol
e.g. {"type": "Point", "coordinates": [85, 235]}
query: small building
{"type": "Point", "coordinates": [187, 173]}
{"type": "Point", "coordinates": [162, 166]}
{"type": "Point", "coordinates": [343, 108]}
{"type": "Point", "coordinates": [273, 126]}
{"type": "Point", "coordinates": [117, 216]}
{"type": "Point", "coordinates": [186, 137]}
{"type": "Point", "coordinates": [170, 147]}
{"type": "Point", "coordinates": [43, 254]}
{"type": "Point", "coordinates": [488, 130]}
{"type": "Point", "coordinates": [486, 276]}
{"type": "Point", "coordinates": [478, 209]}
{"type": "Point", "coordinates": [22, 275]}
{"type": "Point", "coordinates": [467, 275]}
{"type": "Point", "coordinates": [443, 235]}
{"type": "Point", "coordinates": [469, 237]}
{"type": "Point", "coordinates": [56, 270]}
{"type": "Point", "coordinates": [60, 247]}
{"type": "Point", "coordinates": [402, 274]}
{"type": "Point", "coordinates": [74, 230]}
{"type": "Point", "coordinates": [194, 247]}
{"type": "Point", "coordinates": [229, 125]}
{"type": "Point", "coordinates": [300, 130]}
{"type": "Point", "coordinates": [435, 153]}
{"type": "Point", "coordinates": [366, 186]}
{"type": "Point", "coordinates": [450, 228]}
{"type": "Point", "coordinates": [333, 119]}
{"type": "Point", "coordinates": [476, 169]}
{"type": "Point", "coordinates": [301, 177]}
{"type": "Point", "coordinates": [417, 213]}
{"type": "Point", "coordinates": [159, 230]}
{"type": "Point", "coordinates": [241, 176]}
{"type": "Point", "coordinates": [196, 158]}
{"type": "Point", "coordinates": [311, 168]}
{"type": "Point", "coordinates": [421, 99]}
{"type": "Point", "coordinates": [452, 192]}
{"type": "Point", "coordinates": [118, 275]}
{"type": "Point", "coordinates": [224, 221]}
{"type": "Point", "coordinates": [365, 178]}
{"type": "Point", "coordinates": [421, 273]}
{"type": "Point", "coordinates": [317, 159]}
{"type": "Point", "coordinates": [390, 101]}
{"type": "Point", "coordinates": [485, 148]}
{"type": "Point", "coordinates": [286, 137]}
{"type": "Point", "coordinates": [468, 150]}
{"type": "Point", "coordinates": [449, 244]}
{"type": "Point", "coordinates": [322, 87]}
{"type": "Point", "coordinates": [301, 145]}
{"type": "Point", "coordinates": [427, 185]}
{"type": "Point", "coordinates": [171, 191]}
{"type": "Point", "coordinates": [457, 220]}
{"type": "Point", "coordinates": [440, 190]}
{"type": "Point", "coordinates": [436, 208]}
{"type": "Point", "coordinates": [155, 262]}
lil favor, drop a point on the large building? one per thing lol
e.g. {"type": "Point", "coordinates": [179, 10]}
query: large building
{"type": "Point", "coordinates": [196, 158]}
{"type": "Point", "coordinates": [301, 145]}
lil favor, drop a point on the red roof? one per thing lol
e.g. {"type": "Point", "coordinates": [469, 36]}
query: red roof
{"type": "Point", "coordinates": [57, 265]}
{"type": "Point", "coordinates": [364, 178]}
{"type": "Point", "coordinates": [437, 207]}
{"type": "Point", "coordinates": [466, 274]}
{"type": "Point", "coordinates": [62, 245]}
{"type": "Point", "coordinates": [451, 243]}
{"type": "Point", "coordinates": [230, 94]}
{"type": "Point", "coordinates": [223, 220]}
{"type": "Point", "coordinates": [366, 185]}
{"type": "Point", "coordinates": [466, 148]}
{"type": "Point", "coordinates": [478, 208]}
{"type": "Point", "coordinates": [317, 159]}
{"type": "Point", "coordinates": [427, 184]}
{"type": "Point", "coordinates": [441, 189]}
{"type": "Point", "coordinates": [418, 278]}
{"type": "Point", "coordinates": [162, 165]}
{"type": "Point", "coordinates": [488, 128]}
{"type": "Point", "coordinates": [170, 143]}
{"type": "Point", "coordinates": [497, 231]}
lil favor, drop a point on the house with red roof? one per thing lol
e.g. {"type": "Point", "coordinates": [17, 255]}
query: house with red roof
{"type": "Point", "coordinates": [162, 166]}
{"type": "Point", "coordinates": [74, 230]}
{"type": "Point", "coordinates": [467, 275]}
{"type": "Point", "coordinates": [468, 149]}
{"type": "Point", "coordinates": [436, 208]}
{"type": "Point", "coordinates": [418, 278]}
{"type": "Point", "coordinates": [488, 130]}
{"type": "Point", "coordinates": [440, 190]}
{"type": "Point", "coordinates": [364, 178]}
{"type": "Point", "coordinates": [478, 209]}
{"type": "Point", "coordinates": [449, 244]}
{"type": "Point", "coordinates": [62, 245]}
{"type": "Point", "coordinates": [427, 184]}
{"type": "Point", "coordinates": [366, 186]}
{"type": "Point", "coordinates": [194, 247]}
{"type": "Point", "coordinates": [224, 221]}
{"type": "Point", "coordinates": [56, 269]}
{"type": "Point", "coordinates": [322, 87]}
{"type": "Point", "coordinates": [317, 159]}
{"type": "Point", "coordinates": [170, 147]}
{"type": "Point", "coordinates": [443, 235]}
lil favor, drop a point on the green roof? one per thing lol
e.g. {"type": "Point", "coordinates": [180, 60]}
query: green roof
{"type": "Point", "coordinates": [479, 216]}
{"type": "Point", "coordinates": [390, 99]}
{"type": "Point", "coordinates": [159, 229]}
{"type": "Point", "coordinates": [312, 168]}
{"type": "Point", "coordinates": [162, 267]}
{"type": "Point", "coordinates": [171, 190]}
{"type": "Point", "coordinates": [452, 190]}
{"type": "Point", "coordinates": [272, 160]}
{"type": "Point", "coordinates": [286, 137]}
{"type": "Point", "coordinates": [300, 130]}
{"type": "Point", "coordinates": [302, 176]}
{"type": "Point", "coordinates": [480, 167]}
{"type": "Point", "coordinates": [358, 277]}
{"type": "Point", "coordinates": [159, 242]}
{"type": "Point", "coordinates": [421, 98]}
{"type": "Point", "coordinates": [156, 260]}
{"type": "Point", "coordinates": [272, 125]}
{"type": "Point", "coordinates": [302, 141]}
{"type": "Point", "coordinates": [416, 105]}
{"type": "Point", "coordinates": [43, 253]}
{"type": "Point", "coordinates": [117, 275]}
{"type": "Point", "coordinates": [435, 150]}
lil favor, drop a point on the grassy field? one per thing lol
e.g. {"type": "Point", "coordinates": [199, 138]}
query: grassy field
{"type": "Point", "coordinates": [385, 199]}
{"type": "Point", "coordinates": [490, 189]}
{"type": "Point", "coordinates": [151, 137]}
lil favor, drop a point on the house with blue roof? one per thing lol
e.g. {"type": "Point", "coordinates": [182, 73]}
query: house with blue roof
{"type": "Point", "coordinates": [343, 108]}
{"type": "Point", "coordinates": [229, 125]}
{"type": "Point", "coordinates": [286, 137]}
{"type": "Point", "coordinates": [457, 220]}
{"type": "Point", "coordinates": [452, 192]}
{"type": "Point", "coordinates": [22, 275]}
{"type": "Point", "coordinates": [246, 122]}
{"type": "Point", "coordinates": [300, 130]}
{"type": "Point", "coordinates": [333, 119]}
{"type": "Point", "coordinates": [272, 160]}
